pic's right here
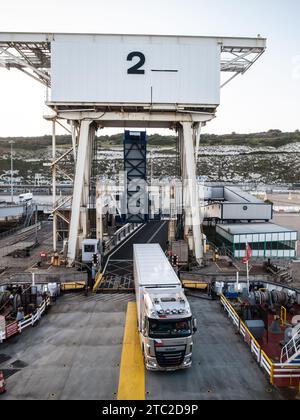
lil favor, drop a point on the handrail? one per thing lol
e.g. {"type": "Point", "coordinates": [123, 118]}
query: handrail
{"type": "Point", "coordinates": [294, 344]}
{"type": "Point", "coordinates": [120, 235]}
{"type": "Point", "coordinates": [274, 370]}
{"type": "Point", "coordinates": [283, 315]}
{"type": "Point", "coordinates": [27, 321]}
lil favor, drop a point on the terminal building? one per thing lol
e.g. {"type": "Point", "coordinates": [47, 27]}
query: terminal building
{"type": "Point", "coordinates": [227, 203]}
{"type": "Point", "coordinates": [267, 240]}
{"type": "Point", "coordinates": [240, 218]}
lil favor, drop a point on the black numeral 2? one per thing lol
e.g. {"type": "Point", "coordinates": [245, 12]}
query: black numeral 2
{"type": "Point", "coordinates": [136, 68]}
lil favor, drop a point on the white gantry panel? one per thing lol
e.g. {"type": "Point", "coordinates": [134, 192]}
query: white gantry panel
{"type": "Point", "coordinates": [136, 69]}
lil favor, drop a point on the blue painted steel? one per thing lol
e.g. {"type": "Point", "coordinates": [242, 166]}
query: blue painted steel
{"type": "Point", "coordinates": [135, 167]}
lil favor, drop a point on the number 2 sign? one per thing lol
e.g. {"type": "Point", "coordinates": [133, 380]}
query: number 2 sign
{"type": "Point", "coordinates": [136, 69]}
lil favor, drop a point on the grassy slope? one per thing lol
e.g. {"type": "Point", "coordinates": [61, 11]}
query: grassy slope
{"type": "Point", "coordinates": [273, 138]}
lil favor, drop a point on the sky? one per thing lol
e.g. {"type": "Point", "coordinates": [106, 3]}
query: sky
{"type": "Point", "coordinates": [266, 97]}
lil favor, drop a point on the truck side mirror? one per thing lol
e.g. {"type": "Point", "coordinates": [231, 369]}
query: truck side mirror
{"type": "Point", "coordinates": [195, 329]}
{"type": "Point", "coordinates": [144, 328]}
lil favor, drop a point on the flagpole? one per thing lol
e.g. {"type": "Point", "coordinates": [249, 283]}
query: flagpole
{"type": "Point", "coordinates": [248, 282]}
{"type": "Point", "coordinates": [246, 261]}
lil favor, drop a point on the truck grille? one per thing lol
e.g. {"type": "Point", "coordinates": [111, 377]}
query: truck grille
{"type": "Point", "coordinates": [170, 359]}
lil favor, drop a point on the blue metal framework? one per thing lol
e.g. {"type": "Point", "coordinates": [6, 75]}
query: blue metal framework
{"type": "Point", "coordinates": [135, 167]}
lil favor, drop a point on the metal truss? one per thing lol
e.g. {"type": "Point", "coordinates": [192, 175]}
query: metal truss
{"type": "Point", "coordinates": [31, 58]}
{"type": "Point", "coordinates": [135, 167]}
{"type": "Point", "coordinates": [63, 165]}
{"type": "Point", "coordinates": [238, 60]}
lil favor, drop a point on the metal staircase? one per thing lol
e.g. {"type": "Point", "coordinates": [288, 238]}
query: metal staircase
{"type": "Point", "coordinates": [291, 351]}
{"type": "Point", "coordinates": [282, 273]}
{"type": "Point", "coordinates": [29, 215]}
{"type": "Point", "coordinates": [227, 253]}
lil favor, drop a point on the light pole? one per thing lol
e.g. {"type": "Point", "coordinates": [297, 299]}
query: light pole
{"type": "Point", "coordinates": [11, 170]}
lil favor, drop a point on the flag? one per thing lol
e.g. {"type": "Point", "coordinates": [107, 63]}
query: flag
{"type": "Point", "coordinates": [248, 254]}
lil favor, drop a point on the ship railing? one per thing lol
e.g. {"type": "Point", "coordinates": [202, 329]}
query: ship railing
{"type": "Point", "coordinates": [291, 348]}
{"type": "Point", "coordinates": [275, 371]}
{"type": "Point", "coordinates": [15, 327]}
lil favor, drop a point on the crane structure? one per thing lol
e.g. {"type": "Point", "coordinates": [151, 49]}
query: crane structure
{"type": "Point", "coordinates": [95, 81]}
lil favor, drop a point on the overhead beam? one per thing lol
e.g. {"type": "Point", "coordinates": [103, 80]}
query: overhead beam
{"type": "Point", "coordinates": [226, 42]}
{"type": "Point", "coordinates": [142, 118]}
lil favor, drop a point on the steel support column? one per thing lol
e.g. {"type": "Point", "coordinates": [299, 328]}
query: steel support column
{"type": "Point", "coordinates": [84, 218]}
{"type": "Point", "coordinates": [185, 190]}
{"type": "Point", "coordinates": [191, 194]}
{"type": "Point", "coordinates": [74, 139]}
{"type": "Point", "coordinates": [99, 211]}
{"type": "Point", "coordinates": [81, 164]}
{"type": "Point", "coordinates": [54, 186]}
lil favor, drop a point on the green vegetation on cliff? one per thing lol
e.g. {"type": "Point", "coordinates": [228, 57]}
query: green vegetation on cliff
{"type": "Point", "coordinates": [271, 138]}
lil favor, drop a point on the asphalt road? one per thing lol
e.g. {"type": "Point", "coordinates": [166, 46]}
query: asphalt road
{"type": "Point", "coordinates": [120, 262]}
{"type": "Point", "coordinates": [153, 232]}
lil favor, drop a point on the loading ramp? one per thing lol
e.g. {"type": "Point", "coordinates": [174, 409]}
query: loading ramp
{"type": "Point", "coordinates": [117, 275]}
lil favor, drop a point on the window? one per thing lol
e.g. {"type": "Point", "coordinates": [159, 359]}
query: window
{"type": "Point", "coordinates": [89, 248]}
{"type": "Point", "coordinates": [170, 328]}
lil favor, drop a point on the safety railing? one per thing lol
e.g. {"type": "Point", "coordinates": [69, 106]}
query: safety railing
{"type": "Point", "coordinates": [20, 231]}
{"type": "Point", "coordinates": [120, 236]}
{"type": "Point", "coordinates": [17, 327]}
{"type": "Point", "coordinates": [275, 371]}
{"type": "Point", "coordinates": [291, 349]}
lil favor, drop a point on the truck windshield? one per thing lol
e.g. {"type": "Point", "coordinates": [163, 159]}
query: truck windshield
{"type": "Point", "coordinates": [170, 328]}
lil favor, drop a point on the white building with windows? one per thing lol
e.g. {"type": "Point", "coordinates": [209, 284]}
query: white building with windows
{"type": "Point", "coordinates": [267, 240]}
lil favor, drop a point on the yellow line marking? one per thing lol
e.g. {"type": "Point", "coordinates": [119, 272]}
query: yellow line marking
{"type": "Point", "coordinates": [132, 370]}
{"type": "Point", "coordinates": [72, 285]}
{"type": "Point", "coordinates": [189, 284]}
{"type": "Point", "coordinates": [98, 280]}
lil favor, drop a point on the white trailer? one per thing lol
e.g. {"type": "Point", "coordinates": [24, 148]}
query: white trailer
{"type": "Point", "coordinates": [25, 198]}
{"type": "Point", "coordinates": [165, 321]}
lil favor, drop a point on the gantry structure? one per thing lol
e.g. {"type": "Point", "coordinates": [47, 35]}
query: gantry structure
{"type": "Point", "coordinates": [32, 54]}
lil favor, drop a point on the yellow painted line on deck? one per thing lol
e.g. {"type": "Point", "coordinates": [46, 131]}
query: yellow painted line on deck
{"type": "Point", "coordinates": [132, 370]}
{"type": "Point", "coordinates": [98, 279]}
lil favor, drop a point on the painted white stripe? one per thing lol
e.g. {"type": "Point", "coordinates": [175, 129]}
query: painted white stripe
{"type": "Point", "coordinates": [156, 233]}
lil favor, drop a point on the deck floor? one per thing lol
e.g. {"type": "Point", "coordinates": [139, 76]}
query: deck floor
{"type": "Point", "coordinates": [75, 353]}
{"type": "Point", "coordinates": [223, 367]}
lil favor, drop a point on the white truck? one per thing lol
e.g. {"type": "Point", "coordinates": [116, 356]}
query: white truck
{"type": "Point", "coordinates": [25, 198]}
{"type": "Point", "coordinates": [165, 322]}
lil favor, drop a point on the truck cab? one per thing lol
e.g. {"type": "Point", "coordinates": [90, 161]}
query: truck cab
{"type": "Point", "coordinates": [165, 322]}
{"type": "Point", "coordinates": [167, 330]}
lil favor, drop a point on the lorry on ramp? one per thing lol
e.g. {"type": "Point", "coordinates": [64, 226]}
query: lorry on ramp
{"type": "Point", "coordinates": [165, 322]}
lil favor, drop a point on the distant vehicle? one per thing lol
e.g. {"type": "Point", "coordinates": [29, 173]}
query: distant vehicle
{"type": "Point", "coordinates": [25, 198]}
{"type": "Point", "coordinates": [165, 322]}
{"type": "Point", "coordinates": [50, 218]}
